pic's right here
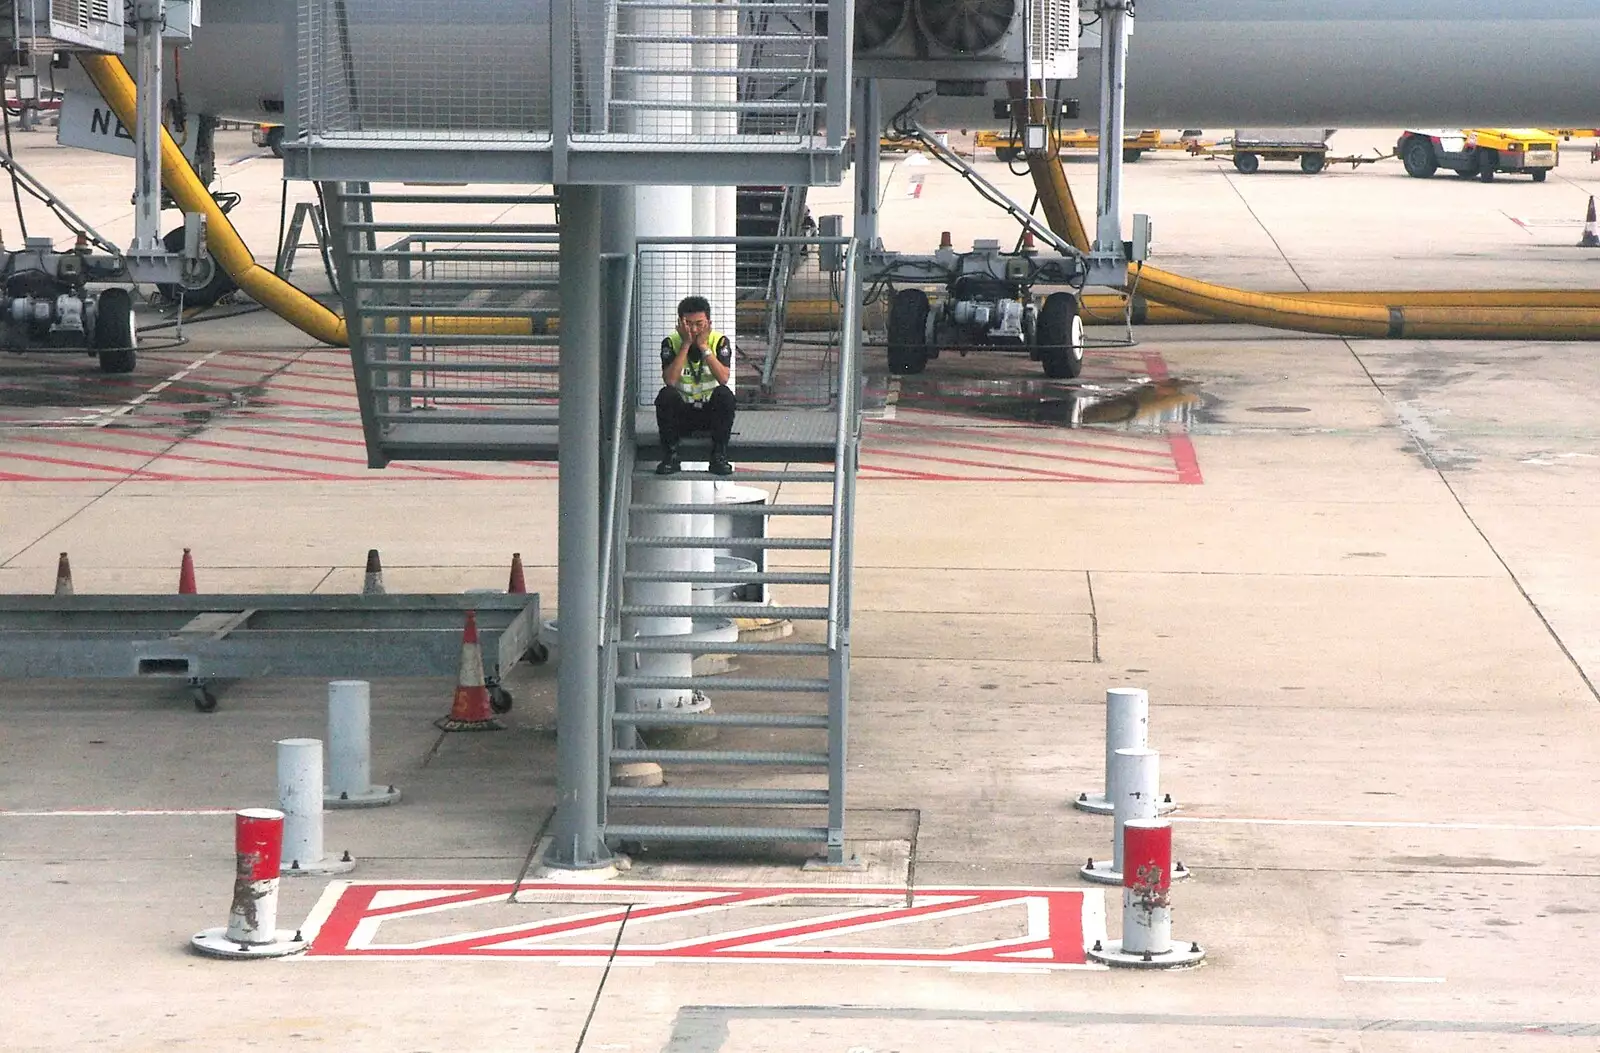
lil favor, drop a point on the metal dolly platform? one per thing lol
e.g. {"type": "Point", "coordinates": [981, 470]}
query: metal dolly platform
{"type": "Point", "coordinates": [204, 639]}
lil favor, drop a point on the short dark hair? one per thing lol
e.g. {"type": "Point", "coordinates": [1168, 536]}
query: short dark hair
{"type": "Point", "coordinates": [694, 305]}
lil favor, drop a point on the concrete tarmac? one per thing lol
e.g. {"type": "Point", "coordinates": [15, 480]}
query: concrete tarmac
{"type": "Point", "coordinates": [1358, 578]}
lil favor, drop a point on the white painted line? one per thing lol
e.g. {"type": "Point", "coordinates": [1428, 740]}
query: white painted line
{"type": "Point", "coordinates": [98, 813]}
{"type": "Point", "coordinates": [1392, 824]}
{"type": "Point", "coordinates": [891, 401]}
{"type": "Point", "coordinates": [133, 404]}
{"type": "Point", "coordinates": [1394, 979]}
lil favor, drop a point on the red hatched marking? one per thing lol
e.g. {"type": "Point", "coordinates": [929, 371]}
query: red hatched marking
{"type": "Point", "coordinates": [1045, 928]}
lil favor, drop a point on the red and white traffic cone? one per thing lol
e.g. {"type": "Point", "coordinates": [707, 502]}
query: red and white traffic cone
{"type": "Point", "coordinates": [1146, 912]}
{"type": "Point", "coordinates": [63, 576]}
{"type": "Point", "coordinates": [372, 583]}
{"type": "Point", "coordinates": [470, 710]}
{"type": "Point", "coordinates": [518, 585]}
{"type": "Point", "coordinates": [1591, 230]}
{"type": "Point", "coordinates": [252, 930]}
{"type": "Point", "coordinates": [186, 585]}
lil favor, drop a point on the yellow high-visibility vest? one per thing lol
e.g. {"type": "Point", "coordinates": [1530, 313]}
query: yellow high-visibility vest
{"type": "Point", "coordinates": [696, 382]}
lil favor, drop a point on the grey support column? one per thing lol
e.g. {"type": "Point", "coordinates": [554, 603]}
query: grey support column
{"type": "Point", "coordinates": [576, 842]}
{"type": "Point", "coordinates": [1115, 22]}
{"type": "Point", "coordinates": [869, 126]}
{"type": "Point", "coordinates": [147, 139]}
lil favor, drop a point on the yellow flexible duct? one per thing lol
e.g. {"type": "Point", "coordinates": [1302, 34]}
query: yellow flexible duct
{"type": "Point", "coordinates": [266, 288]}
{"type": "Point", "coordinates": [1560, 314]}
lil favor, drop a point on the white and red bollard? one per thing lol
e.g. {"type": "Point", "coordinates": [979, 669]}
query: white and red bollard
{"type": "Point", "coordinates": [1146, 911]}
{"type": "Point", "coordinates": [350, 749]}
{"type": "Point", "coordinates": [300, 796]}
{"type": "Point", "coordinates": [252, 930]}
{"type": "Point", "coordinates": [1135, 787]}
{"type": "Point", "coordinates": [1127, 728]}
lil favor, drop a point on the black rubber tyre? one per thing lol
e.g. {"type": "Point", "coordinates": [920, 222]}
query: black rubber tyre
{"type": "Point", "coordinates": [219, 286]}
{"type": "Point", "coordinates": [1419, 159]}
{"type": "Point", "coordinates": [275, 140]}
{"type": "Point", "coordinates": [204, 700]}
{"type": "Point", "coordinates": [1007, 154]}
{"type": "Point", "coordinates": [908, 332]}
{"type": "Point", "coordinates": [1488, 164]}
{"type": "Point", "coordinates": [1540, 174]}
{"type": "Point", "coordinates": [1311, 164]}
{"type": "Point", "coordinates": [1131, 156]}
{"type": "Point", "coordinates": [538, 654]}
{"type": "Point", "coordinates": [500, 700]}
{"type": "Point", "coordinates": [1060, 335]}
{"type": "Point", "coordinates": [1246, 163]}
{"type": "Point", "coordinates": [116, 343]}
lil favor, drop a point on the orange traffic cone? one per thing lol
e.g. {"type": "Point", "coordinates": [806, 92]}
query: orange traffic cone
{"type": "Point", "coordinates": [372, 584]}
{"type": "Point", "coordinates": [518, 585]}
{"type": "Point", "coordinates": [63, 576]}
{"type": "Point", "coordinates": [469, 710]}
{"type": "Point", "coordinates": [186, 586]}
{"type": "Point", "coordinates": [1591, 230]}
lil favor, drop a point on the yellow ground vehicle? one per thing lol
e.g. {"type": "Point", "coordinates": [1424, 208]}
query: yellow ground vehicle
{"type": "Point", "coordinates": [1133, 146]}
{"type": "Point", "coordinates": [270, 136]}
{"type": "Point", "coordinates": [1481, 152]}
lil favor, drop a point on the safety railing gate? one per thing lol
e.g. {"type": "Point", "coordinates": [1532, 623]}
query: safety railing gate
{"type": "Point", "coordinates": [672, 591]}
{"type": "Point", "coordinates": [568, 91]}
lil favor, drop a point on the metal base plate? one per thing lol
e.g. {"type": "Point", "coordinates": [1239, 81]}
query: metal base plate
{"type": "Point", "coordinates": [372, 797]}
{"type": "Point", "coordinates": [1183, 955]}
{"type": "Point", "coordinates": [327, 865]}
{"type": "Point", "coordinates": [214, 943]}
{"type": "Point", "coordinates": [1097, 803]}
{"type": "Point", "coordinates": [1100, 871]}
{"type": "Point", "coordinates": [851, 864]}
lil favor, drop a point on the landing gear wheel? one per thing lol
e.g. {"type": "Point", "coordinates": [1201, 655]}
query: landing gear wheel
{"type": "Point", "coordinates": [1246, 163]}
{"type": "Point", "coordinates": [500, 699]}
{"type": "Point", "coordinates": [204, 700]}
{"type": "Point", "coordinates": [538, 654]}
{"type": "Point", "coordinates": [1060, 332]}
{"type": "Point", "coordinates": [1419, 159]}
{"type": "Point", "coordinates": [219, 286]}
{"type": "Point", "coordinates": [1488, 164]}
{"type": "Point", "coordinates": [1311, 164]}
{"type": "Point", "coordinates": [1540, 174]}
{"type": "Point", "coordinates": [115, 341]}
{"type": "Point", "coordinates": [908, 332]}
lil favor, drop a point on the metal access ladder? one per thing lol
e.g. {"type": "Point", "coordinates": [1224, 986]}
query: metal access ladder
{"type": "Point", "coordinates": [805, 699]}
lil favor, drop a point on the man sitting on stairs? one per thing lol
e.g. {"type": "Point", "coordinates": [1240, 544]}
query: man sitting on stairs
{"type": "Point", "coordinates": [696, 362]}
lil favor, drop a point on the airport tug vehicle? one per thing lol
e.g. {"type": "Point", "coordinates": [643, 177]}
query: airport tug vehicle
{"type": "Point", "coordinates": [1481, 152]}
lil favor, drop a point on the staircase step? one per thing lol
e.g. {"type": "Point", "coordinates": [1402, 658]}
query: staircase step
{"type": "Point", "coordinates": [735, 510]}
{"type": "Point", "coordinates": [729, 683]}
{"type": "Point", "coordinates": [732, 577]}
{"type": "Point", "coordinates": [775, 650]}
{"type": "Point", "coordinates": [754, 475]}
{"type": "Point", "coordinates": [781, 757]}
{"type": "Point", "coordinates": [763, 796]}
{"type": "Point", "coordinates": [667, 718]}
{"type": "Point", "coordinates": [813, 543]}
{"type": "Point", "coordinates": [725, 610]}
{"type": "Point", "coordinates": [648, 832]}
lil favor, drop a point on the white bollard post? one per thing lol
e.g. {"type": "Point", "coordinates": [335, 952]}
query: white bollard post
{"type": "Point", "coordinates": [1127, 728]}
{"type": "Point", "coordinates": [300, 797]}
{"type": "Point", "coordinates": [1146, 910]}
{"type": "Point", "coordinates": [350, 749]}
{"type": "Point", "coordinates": [252, 930]}
{"type": "Point", "coordinates": [1135, 782]}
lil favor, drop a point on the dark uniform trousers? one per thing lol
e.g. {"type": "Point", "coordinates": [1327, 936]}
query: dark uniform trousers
{"type": "Point", "coordinates": [676, 417]}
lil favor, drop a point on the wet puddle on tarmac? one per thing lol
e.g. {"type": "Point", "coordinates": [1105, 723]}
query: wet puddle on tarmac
{"type": "Point", "coordinates": [1131, 403]}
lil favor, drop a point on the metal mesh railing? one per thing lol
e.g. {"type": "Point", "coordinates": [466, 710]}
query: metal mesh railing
{"type": "Point", "coordinates": [458, 318]}
{"type": "Point", "coordinates": [399, 70]}
{"type": "Point", "coordinates": [717, 71]}
{"type": "Point", "coordinates": [787, 297]}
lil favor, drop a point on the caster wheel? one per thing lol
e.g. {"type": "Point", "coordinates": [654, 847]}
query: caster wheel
{"type": "Point", "coordinates": [204, 700]}
{"type": "Point", "coordinates": [500, 699]}
{"type": "Point", "coordinates": [538, 654]}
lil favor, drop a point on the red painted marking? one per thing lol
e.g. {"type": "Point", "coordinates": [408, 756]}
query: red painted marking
{"type": "Point", "coordinates": [120, 473]}
{"type": "Point", "coordinates": [1032, 927]}
{"type": "Point", "coordinates": [258, 840]}
{"type": "Point", "coordinates": [1039, 472]}
{"type": "Point", "coordinates": [1011, 451]}
{"type": "Point", "coordinates": [1035, 436]}
{"type": "Point", "coordinates": [167, 454]}
{"type": "Point", "coordinates": [1184, 457]}
{"type": "Point", "coordinates": [1147, 855]}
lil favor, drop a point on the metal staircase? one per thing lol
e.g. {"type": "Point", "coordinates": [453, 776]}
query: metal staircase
{"type": "Point", "coordinates": [786, 718]}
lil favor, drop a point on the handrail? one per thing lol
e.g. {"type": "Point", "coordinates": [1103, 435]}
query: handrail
{"type": "Point", "coordinates": [850, 339]}
{"type": "Point", "coordinates": [621, 407]}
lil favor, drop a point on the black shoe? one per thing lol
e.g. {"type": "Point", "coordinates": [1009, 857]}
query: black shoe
{"type": "Point", "coordinates": [670, 465]}
{"type": "Point", "coordinates": [719, 463]}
